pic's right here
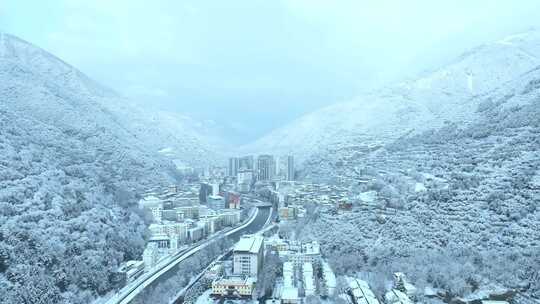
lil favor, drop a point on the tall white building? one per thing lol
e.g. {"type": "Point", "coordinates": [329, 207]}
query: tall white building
{"type": "Point", "coordinates": [244, 179]}
{"type": "Point", "coordinates": [246, 163]}
{"type": "Point", "coordinates": [233, 166]}
{"type": "Point", "coordinates": [276, 165]}
{"type": "Point", "coordinates": [266, 167]}
{"type": "Point", "coordinates": [215, 189]}
{"type": "Point", "coordinates": [290, 168]}
{"type": "Point", "coordinates": [248, 255]}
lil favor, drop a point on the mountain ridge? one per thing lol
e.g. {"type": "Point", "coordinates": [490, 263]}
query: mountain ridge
{"type": "Point", "coordinates": [448, 93]}
{"type": "Point", "coordinates": [66, 96]}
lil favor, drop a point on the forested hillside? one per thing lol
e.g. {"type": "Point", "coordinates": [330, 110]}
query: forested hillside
{"type": "Point", "coordinates": [458, 207]}
{"type": "Point", "coordinates": [70, 173]}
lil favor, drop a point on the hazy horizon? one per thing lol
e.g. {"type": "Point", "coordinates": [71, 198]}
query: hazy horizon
{"type": "Point", "coordinates": [253, 66]}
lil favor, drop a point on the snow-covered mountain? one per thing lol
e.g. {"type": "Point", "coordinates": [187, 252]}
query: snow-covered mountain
{"type": "Point", "coordinates": [451, 93]}
{"type": "Point", "coordinates": [73, 158]}
{"type": "Point", "coordinates": [463, 197]}
{"type": "Point", "coordinates": [44, 87]}
{"type": "Point", "coordinates": [180, 136]}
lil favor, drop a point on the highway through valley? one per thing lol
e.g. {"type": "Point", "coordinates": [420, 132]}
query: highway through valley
{"type": "Point", "coordinates": [167, 268]}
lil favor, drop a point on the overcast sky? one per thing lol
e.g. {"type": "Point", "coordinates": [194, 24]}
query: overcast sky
{"type": "Point", "coordinates": [257, 64]}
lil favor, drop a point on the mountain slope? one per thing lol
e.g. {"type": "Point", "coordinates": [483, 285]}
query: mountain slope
{"type": "Point", "coordinates": [457, 207]}
{"type": "Point", "coordinates": [71, 167]}
{"type": "Point", "coordinates": [451, 93]}
{"type": "Point", "coordinates": [58, 93]}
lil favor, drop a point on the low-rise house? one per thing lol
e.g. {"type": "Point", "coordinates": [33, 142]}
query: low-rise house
{"type": "Point", "coordinates": [215, 272]}
{"type": "Point", "coordinates": [360, 293]}
{"type": "Point", "coordinates": [277, 244]}
{"type": "Point", "coordinates": [308, 253]}
{"type": "Point", "coordinates": [234, 286]}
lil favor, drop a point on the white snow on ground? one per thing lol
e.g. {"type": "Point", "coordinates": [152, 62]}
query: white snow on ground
{"type": "Point", "coordinates": [368, 197]}
{"type": "Point", "coordinates": [536, 179]}
{"type": "Point", "coordinates": [470, 82]}
{"type": "Point", "coordinates": [2, 47]}
{"type": "Point", "coordinates": [419, 187]}
{"type": "Point", "coordinates": [432, 177]}
{"type": "Point", "coordinates": [205, 298]}
{"type": "Point", "coordinates": [169, 152]}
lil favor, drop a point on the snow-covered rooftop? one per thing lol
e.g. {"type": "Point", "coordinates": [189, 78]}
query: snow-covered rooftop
{"type": "Point", "coordinates": [397, 297]}
{"type": "Point", "coordinates": [329, 275]}
{"type": "Point", "coordinates": [236, 280]}
{"type": "Point", "coordinates": [150, 200]}
{"type": "Point", "coordinates": [289, 293]}
{"type": "Point", "coordinates": [251, 244]}
{"type": "Point", "coordinates": [361, 291]}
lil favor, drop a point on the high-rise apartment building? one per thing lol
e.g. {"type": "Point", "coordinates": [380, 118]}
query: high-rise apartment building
{"type": "Point", "coordinates": [245, 163]}
{"type": "Point", "coordinates": [266, 167]}
{"type": "Point", "coordinates": [233, 166]}
{"type": "Point", "coordinates": [290, 168]}
{"type": "Point", "coordinates": [248, 255]}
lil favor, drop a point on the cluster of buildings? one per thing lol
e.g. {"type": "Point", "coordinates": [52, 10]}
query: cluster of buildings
{"type": "Point", "coordinates": [240, 278]}
{"type": "Point", "coordinates": [181, 216]}
{"type": "Point", "coordinates": [305, 273]}
{"type": "Point", "coordinates": [217, 195]}
{"type": "Point", "coordinates": [358, 291]}
{"type": "Point", "coordinates": [291, 205]}
{"type": "Point", "coordinates": [247, 170]}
